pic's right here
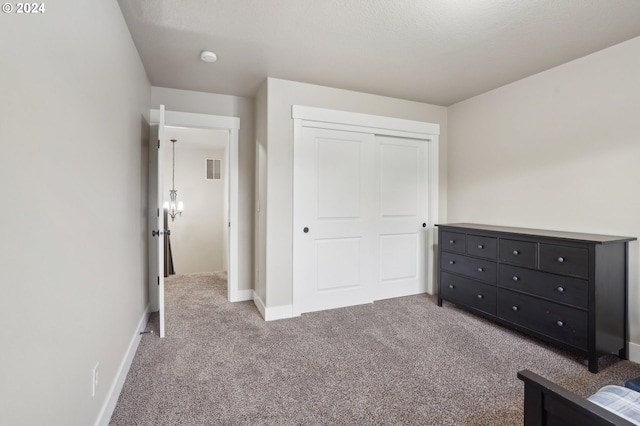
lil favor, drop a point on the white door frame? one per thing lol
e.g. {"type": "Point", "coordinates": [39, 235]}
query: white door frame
{"type": "Point", "coordinates": [304, 116]}
{"type": "Point", "coordinates": [231, 125]}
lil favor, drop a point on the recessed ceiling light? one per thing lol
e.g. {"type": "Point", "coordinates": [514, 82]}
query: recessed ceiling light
{"type": "Point", "coordinates": [208, 56]}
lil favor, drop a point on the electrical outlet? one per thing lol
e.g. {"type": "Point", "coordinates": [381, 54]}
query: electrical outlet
{"type": "Point", "coordinates": [96, 379]}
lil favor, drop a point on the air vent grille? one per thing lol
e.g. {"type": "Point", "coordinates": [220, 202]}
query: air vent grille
{"type": "Point", "coordinates": [213, 169]}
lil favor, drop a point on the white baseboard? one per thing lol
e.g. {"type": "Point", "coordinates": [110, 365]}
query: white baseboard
{"type": "Point", "coordinates": [259, 304]}
{"type": "Point", "coordinates": [634, 352]}
{"type": "Point", "coordinates": [279, 312]}
{"type": "Point", "coordinates": [242, 295]}
{"type": "Point", "coordinates": [272, 313]}
{"type": "Point", "coordinates": [114, 392]}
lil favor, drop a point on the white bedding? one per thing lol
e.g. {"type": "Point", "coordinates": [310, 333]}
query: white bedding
{"type": "Point", "coordinates": [622, 401]}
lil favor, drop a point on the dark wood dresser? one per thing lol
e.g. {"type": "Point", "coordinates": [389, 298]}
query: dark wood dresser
{"type": "Point", "coordinates": [566, 288]}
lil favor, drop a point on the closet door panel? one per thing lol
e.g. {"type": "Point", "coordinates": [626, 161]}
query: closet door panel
{"type": "Point", "coordinates": [334, 235]}
{"type": "Point", "coordinates": [402, 188]}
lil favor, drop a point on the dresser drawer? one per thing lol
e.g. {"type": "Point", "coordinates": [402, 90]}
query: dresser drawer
{"type": "Point", "coordinates": [564, 260]}
{"type": "Point", "coordinates": [468, 292]}
{"type": "Point", "coordinates": [571, 291]}
{"type": "Point", "coordinates": [563, 323]}
{"type": "Point", "coordinates": [478, 269]}
{"type": "Point", "coordinates": [521, 253]}
{"type": "Point", "coordinates": [452, 241]}
{"type": "Point", "coordinates": [486, 247]}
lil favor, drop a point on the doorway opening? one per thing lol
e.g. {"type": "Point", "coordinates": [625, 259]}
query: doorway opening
{"type": "Point", "coordinates": [198, 238]}
{"type": "Point", "coordinates": [161, 122]}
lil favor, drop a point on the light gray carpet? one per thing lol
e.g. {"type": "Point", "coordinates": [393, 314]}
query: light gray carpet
{"type": "Point", "coordinates": [396, 362]}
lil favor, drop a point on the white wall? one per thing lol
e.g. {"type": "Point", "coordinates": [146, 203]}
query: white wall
{"type": "Point", "coordinates": [231, 106]}
{"type": "Point", "coordinates": [558, 150]}
{"type": "Point", "coordinates": [197, 236]}
{"type": "Point", "coordinates": [73, 231]}
{"type": "Point", "coordinates": [281, 95]}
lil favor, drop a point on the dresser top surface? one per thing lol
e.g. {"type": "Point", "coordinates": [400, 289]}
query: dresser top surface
{"type": "Point", "coordinates": [572, 236]}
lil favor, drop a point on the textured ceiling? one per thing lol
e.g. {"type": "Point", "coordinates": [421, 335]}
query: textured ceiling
{"type": "Point", "coordinates": [190, 138]}
{"type": "Point", "coordinates": [433, 51]}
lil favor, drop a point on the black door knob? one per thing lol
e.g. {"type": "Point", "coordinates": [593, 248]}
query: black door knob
{"type": "Point", "coordinates": [305, 230]}
{"type": "Point", "coordinates": [424, 225]}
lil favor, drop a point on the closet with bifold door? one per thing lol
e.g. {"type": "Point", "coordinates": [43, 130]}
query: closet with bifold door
{"type": "Point", "coordinates": [365, 203]}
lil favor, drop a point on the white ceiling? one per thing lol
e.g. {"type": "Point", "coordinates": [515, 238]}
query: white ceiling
{"type": "Point", "coordinates": [433, 51]}
{"type": "Point", "coordinates": [191, 138]}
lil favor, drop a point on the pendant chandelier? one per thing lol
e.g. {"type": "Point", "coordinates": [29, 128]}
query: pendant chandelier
{"type": "Point", "coordinates": [174, 206]}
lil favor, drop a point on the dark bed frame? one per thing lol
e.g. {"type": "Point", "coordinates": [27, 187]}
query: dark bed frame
{"type": "Point", "coordinates": [546, 403]}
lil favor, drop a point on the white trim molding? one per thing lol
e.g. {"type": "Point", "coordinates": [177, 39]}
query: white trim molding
{"type": "Point", "coordinates": [379, 124]}
{"type": "Point", "coordinates": [634, 352]}
{"type": "Point", "coordinates": [272, 313]}
{"type": "Point", "coordinates": [104, 417]}
{"type": "Point", "coordinates": [231, 125]}
{"type": "Point", "coordinates": [244, 295]}
{"type": "Point", "coordinates": [191, 119]}
{"type": "Point", "coordinates": [259, 305]}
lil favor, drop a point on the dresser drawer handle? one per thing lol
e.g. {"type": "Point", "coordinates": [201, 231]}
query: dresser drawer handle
{"type": "Point", "coordinates": [480, 246]}
{"type": "Point", "coordinates": [480, 269]}
{"type": "Point", "coordinates": [514, 307]}
{"type": "Point", "coordinates": [560, 289]}
{"type": "Point", "coordinates": [452, 241]}
{"type": "Point", "coordinates": [515, 278]}
{"type": "Point", "coordinates": [560, 259]}
{"type": "Point", "coordinates": [452, 286]}
{"type": "Point", "coordinates": [559, 323]}
{"type": "Point", "coordinates": [451, 262]}
{"type": "Point", "coordinates": [480, 296]}
{"type": "Point", "coordinates": [516, 252]}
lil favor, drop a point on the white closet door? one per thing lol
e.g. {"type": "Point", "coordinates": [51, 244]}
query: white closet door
{"type": "Point", "coordinates": [402, 169]}
{"type": "Point", "coordinates": [334, 219]}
